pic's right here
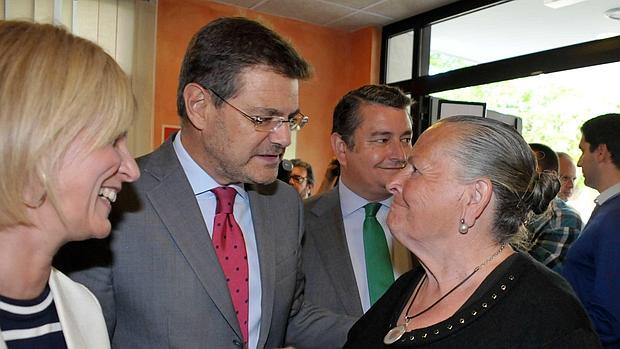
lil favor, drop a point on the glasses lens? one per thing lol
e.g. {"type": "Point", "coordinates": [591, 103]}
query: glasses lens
{"type": "Point", "coordinates": [298, 179]}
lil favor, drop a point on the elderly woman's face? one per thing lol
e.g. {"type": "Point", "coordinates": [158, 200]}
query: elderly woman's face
{"type": "Point", "coordinates": [87, 184]}
{"type": "Point", "coordinates": [426, 192]}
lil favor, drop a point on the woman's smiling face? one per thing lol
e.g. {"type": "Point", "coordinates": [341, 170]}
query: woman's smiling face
{"type": "Point", "coordinates": [426, 192]}
{"type": "Point", "coordinates": [87, 183]}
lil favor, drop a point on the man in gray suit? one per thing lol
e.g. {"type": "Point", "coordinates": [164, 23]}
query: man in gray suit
{"type": "Point", "coordinates": [163, 281]}
{"type": "Point", "coordinates": [371, 135]}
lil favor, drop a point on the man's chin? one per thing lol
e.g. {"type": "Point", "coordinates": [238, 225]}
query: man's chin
{"type": "Point", "coordinates": [261, 178]}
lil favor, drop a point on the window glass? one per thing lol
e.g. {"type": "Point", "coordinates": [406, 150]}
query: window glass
{"type": "Point", "coordinates": [517, 28]}
{"type": "Point", "coordinates": [399, 57]}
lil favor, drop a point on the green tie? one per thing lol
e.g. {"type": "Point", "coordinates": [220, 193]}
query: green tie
{"type": "Point", "coordinates": [378, 263]}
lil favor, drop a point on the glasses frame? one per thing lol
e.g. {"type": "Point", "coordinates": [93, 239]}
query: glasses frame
{"type": "Point", "coordinates": [296, 123]}
{"type": "Point", "coordinates": [299, 179]}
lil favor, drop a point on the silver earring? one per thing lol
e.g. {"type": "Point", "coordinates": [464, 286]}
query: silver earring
{"type": "Point", "coordinates": [463, 228]}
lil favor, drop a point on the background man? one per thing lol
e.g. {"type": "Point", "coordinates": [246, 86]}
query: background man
{"type": "Point", "coordinates": [592, 266]}
{"type": "Point", "coordinates": [552, 232]}
{"type": "Point", "coordinates": [206, 253]}
{"type": "Point", "coordinates": [302, 178]}
{"type": "Point", "coordinates": [568, 175]}
{"type": "Point", "coordinates": [348, 245]}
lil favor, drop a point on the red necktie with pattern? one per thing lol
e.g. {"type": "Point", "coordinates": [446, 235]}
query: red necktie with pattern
{"type": "Point", "coordinates": [230, 250]}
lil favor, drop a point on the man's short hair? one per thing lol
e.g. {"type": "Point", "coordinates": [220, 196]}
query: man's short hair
{"type": "Point", "coordinates": [546, 158]}
{"type": "Point", "coordinates": [604, 129]}
{"type": "Point", "coordinates": [346, 117]}
{"type": "Point", "coordinates": [224, 48]}
{"type": "Point", "coordinates": [307, 166]}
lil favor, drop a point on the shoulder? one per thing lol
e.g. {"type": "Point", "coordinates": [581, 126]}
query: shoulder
{"type": "Point", "coordinates": [544, 287]}
{"type": "Point", "coordinates": [322, 203]}
{"type": "Point", "coordinates": [610, 209]}
{"type": "Point", "coordinates": [565, 208]}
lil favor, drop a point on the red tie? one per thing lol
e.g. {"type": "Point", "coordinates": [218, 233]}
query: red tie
{"type": "Point", "coordinates": [230, 249]}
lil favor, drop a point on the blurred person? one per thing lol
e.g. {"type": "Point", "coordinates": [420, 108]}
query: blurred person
{"type": "Point", "coordinates": [331, 176]}
{"type": "Point", "coordinates": [65, 107]}
{"type": "Point", "coordinates": [206, 250]}
{"type": "Point", "coordinates": [552, 232]}
{"type": "Point", "coordinates": [568, 176]}
{"type": "Point", "coordinates": [302, 178]}
{"type": "Point", "coordinates": [459, 205]}
{"type": "Point", "coordinates": [350, 257]}
{"type": "Point", "coordinates": [592, 266]}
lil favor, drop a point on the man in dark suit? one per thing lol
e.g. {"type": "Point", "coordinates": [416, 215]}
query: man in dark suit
{"type": "Point", "coordinates": [591, 265]}
{"type": "Point", "coordinates": [205, 251]}
{"type": "Point", "coordinates": [371, 136]}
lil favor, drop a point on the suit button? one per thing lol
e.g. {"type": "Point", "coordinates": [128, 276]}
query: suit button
{"type": "Point", "coordinates": [238, 343]}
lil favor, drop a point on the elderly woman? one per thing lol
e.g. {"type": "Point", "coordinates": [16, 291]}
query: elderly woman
{"type": "Point", "coordinates": [65, 107]}
{"type": "Point", "coordinates": [459, 205]}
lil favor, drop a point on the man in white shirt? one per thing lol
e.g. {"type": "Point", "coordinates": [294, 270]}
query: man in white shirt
{"type": "Point", "coordinates": [346, 226]}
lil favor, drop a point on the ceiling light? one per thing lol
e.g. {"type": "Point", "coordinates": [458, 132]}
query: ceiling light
{"type": "Point", "coordinates": [555, 4]}
{"type": "Point", "coordinates": [613, 13]}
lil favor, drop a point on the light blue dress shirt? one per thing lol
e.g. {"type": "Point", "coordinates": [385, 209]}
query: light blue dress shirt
{"type": "Point", "coordinates": [353, 214]}
{"type": "Point", "coordinates": [201, 184]}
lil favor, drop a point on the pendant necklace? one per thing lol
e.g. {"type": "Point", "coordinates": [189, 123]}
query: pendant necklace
{"type": "Point", "coordinates": [398, 331]}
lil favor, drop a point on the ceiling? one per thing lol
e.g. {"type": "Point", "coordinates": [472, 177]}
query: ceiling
{"type": "Point", "coordinates": [348, 15]}
{"type": "Point", "coordinates": [514, 28]}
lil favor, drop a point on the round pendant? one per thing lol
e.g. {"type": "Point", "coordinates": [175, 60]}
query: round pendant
{"type": "Point", "coordinates": [394, 334]}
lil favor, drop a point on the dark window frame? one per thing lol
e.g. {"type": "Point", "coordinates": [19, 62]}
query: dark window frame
{"type": "Point", "coordinates": [421, 85]}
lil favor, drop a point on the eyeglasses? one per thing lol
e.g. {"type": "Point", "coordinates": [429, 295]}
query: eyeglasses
{"type": "Point", "coordinates": [299, 179]}
{"type": "Point", "coordinates": [269, 123]}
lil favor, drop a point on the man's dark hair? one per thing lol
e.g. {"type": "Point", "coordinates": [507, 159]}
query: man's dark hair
{"type": "Point", "coordinates": [346, 118]}
{"type": "Point", "coordinates": [604, 129]}
{"type": "Point", "coordinates": [546, 158]}
{"type": "Point", "coordinates": [221, 50]}
{"type": "Point", "coordinates": [307, 166]}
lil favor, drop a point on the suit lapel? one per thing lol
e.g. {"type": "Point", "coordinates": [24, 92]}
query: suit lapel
{"type": "Point", "coordinates": [169, 199]}
{"type": "Point", "coordinates": [334, 251]}
{"type": "Point", "coordinates": [265, 243]}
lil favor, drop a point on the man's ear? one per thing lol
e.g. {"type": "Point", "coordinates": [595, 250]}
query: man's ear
{"type": "Point", "coordinates": [197, 101]}
{"type": "Point", "coordinates": [340, 148]}
{"type": "Point", "coordinates": [602, 153]}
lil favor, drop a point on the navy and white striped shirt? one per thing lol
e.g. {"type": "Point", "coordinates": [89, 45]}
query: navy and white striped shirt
{"type": "Point", "coordinates": [28, 324]}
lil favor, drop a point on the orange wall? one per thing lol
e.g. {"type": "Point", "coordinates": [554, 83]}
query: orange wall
{"type": "Point", "coordinates": [341, 61]}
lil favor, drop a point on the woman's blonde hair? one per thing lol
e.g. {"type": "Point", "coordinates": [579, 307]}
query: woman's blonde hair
{"type": "Point", "coordinates": [53, 86]}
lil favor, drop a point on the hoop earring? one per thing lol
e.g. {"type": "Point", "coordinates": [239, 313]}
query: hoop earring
{"type": "Point", "coordinates": [463, 228]}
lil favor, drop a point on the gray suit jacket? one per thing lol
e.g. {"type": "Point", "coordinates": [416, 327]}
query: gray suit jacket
{"type": "Point", "coordinates": [159, 281]}
{"type": "Point", "coordinates": [330, 281]}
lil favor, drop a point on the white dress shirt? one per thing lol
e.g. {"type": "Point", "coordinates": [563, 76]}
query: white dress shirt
{"type": "Point", "coordinates": [201, 184]}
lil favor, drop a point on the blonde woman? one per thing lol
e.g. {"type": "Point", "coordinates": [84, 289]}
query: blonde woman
{"type": "Point", "coordinates": [65, 107]}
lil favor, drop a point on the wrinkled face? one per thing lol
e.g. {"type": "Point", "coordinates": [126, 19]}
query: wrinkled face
{"type": "Point", "coordinates": [426, 192]}
{"type": "Point", "coordinates": [87, 186]}
{"type": "Point", "coordinates": [568, 175]}
{"type": "Point", "coordinates": [381, 144]}
{"type": "Point", "coordinates": [299, 180]}
{"type": "Point", "coordinates": [232, 150]}
{"type": "Point", "coordinates": [587, 162]}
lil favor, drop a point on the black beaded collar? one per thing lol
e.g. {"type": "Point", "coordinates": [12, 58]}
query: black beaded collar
{"type": "Point", "coordinates": [473, 309]}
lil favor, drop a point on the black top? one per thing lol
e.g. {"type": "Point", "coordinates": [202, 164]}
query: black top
{"type": "Point", "coordinates": [521, 304]}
